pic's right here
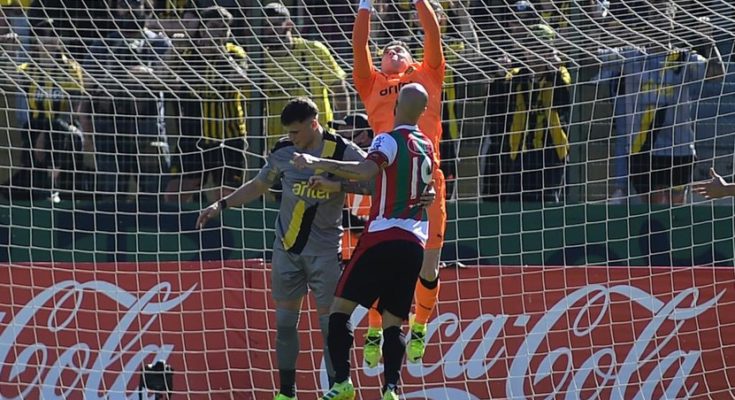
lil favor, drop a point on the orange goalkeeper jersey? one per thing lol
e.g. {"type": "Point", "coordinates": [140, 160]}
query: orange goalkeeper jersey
{"type": "Point", "coordinates": [379, 92]}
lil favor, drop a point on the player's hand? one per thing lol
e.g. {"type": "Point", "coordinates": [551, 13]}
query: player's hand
{"type": "Point", "coordinates": [713, 188]}
{"type": "Point", "coordinates": [208, 213]}
{"type": "Point", "coordinates": [301, 161]}
{"type": "Point", "coordinates": [429, 195]}
{"type": "Point", "coordinates": [318, 182]}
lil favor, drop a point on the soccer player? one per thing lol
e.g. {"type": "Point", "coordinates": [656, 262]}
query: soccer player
{"type": "Point", "coordinates": [388, 257]}
{"type": "Point", "coordinates": [308, 230]}
{"type": "Point", "coordinates": [378, 91]}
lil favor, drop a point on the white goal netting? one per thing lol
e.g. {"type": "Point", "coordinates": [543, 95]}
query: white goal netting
{"type": "Point", "coordinates": [586, 267]}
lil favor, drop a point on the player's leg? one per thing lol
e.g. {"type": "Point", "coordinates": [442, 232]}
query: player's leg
{"type": "Point", "coordinates": [405, 258]}
{"type": "Point", "coordinates": [357, 285]}
{"type": "Point", "coordinates": [341, 339]}
{"type": "Point", "coordinates": [322, 274]}
{"type": "Point", "coordinates": [427, 287]}
{"type": "Point", "coordinates": [372, 351]}
{"type": "Point", "coordinates": [288, 284]}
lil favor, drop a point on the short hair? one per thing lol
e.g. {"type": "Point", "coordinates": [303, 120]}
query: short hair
{"type": "Point", "coordinates": [299, 109]}
{"type": "Point", "coordinates": [217, 13]}
{"type": "Point", "coordinates": [400, 43]}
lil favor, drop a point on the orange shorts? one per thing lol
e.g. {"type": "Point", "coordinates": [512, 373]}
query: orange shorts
{"type": "Point", "coordinates": [437, 213]}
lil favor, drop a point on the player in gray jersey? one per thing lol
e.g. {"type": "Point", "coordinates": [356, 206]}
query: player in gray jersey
{"type": "Point", "coordinates": [308, 229]}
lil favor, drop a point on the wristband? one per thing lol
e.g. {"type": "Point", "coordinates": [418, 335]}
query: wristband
{"type": "Point", "coordinates": [222, 204]}
{"type": "Point", "coordinates": [366, 5]}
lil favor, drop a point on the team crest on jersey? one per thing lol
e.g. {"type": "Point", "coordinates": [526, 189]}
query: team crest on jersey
{"type": "Point", "coordinates": [414, 148]}
{"type": "Point", "coordinates": [377, 143]}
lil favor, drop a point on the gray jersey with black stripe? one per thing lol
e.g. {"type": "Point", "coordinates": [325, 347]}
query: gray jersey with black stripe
{"type": "Point", "coordinates": [309, 221]}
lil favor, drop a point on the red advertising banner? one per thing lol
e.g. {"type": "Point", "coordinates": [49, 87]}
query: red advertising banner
{"type": "Point", "coordinates": [84, 331]}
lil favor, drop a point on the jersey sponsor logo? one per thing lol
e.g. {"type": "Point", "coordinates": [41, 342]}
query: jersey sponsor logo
{"type": "Point", "coordinates": [302, 189]}
{"type": "Point", "coordinates": [393, 89]}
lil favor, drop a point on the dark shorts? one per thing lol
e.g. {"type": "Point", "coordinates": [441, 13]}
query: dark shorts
{"type": "Point", "coordinates": [226, 163]}
{"type": "Point", "coordinates": [649, 172]}
{"type": "Point", "coordinates": [386, 270]}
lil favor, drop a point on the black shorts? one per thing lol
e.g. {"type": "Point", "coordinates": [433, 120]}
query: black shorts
{"type": "Point", "coordinates": [649, 172]}
{"type": "Point", "coordinates": [386, 270]}
{"type": "Point", "coordinates": [226, 163]}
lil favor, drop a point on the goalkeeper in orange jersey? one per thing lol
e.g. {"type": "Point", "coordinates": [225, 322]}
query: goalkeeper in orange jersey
{"type": "Point", "coordinates": [378, 90]}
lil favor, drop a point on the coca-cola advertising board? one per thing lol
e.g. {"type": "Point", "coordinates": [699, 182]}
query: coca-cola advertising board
{"type": "Point", "coordinates": [84, 331]}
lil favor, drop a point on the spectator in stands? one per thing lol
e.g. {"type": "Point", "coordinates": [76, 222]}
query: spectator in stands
{"type": "Point", "coordinates": [15, 40]}
{"type": "Point", "coordinates": [78, 22]}
{"type": "Point", "coordinates": [531, 118]}
{"type": "Point", "coordinates": [654, 118]}
{"type": "Point", "coordinates": [354, 127]}
{"type": "Point", "coordinates": [128, 118]}
{"type": "Point", "coordinates": [53, 83]}
{"type": "Point", "coordinates": [555, 13]}
{"type": "Point", "coordinates": [212, 109]}
{"type": "Point", "coordinates": [173, 16]}
{"type": "Point", "coordinates": [298, 67]}
{"type": "Point", "coordinates": [326, 24]}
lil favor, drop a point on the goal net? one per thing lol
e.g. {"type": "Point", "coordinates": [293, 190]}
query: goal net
{"type": "Point", "coordinates": [579, 261]}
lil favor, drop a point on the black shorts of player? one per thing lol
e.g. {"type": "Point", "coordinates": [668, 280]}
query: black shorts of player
{"type": "Point", "coordinates": [226, 163]}
{"type": "Point", "coordinates": [649, 172]}
{"type": "Point", "coordinates": [387, 271]}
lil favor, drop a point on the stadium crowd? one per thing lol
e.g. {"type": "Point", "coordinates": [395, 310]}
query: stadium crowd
{"type": "Point", "coordinates": [164, 98]}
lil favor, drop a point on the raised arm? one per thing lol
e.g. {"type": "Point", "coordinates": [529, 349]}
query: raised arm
{"type": "Point", "coordinates": [360, 35]}
{"type": "Point", "coordinates": [433, 53]}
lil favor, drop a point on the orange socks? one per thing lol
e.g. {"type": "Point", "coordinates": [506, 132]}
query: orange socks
{"type": "Point", "coordinates": [426, 295]}
{"type": "Point", "coordinates": [375, 320]}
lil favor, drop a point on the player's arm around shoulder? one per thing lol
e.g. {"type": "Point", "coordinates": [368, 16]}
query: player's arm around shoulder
{"type": "Point", "coordinates": [352, 170]}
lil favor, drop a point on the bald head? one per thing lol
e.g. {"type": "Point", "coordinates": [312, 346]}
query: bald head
{"type": "Point", "coordinates": [412, 101]}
